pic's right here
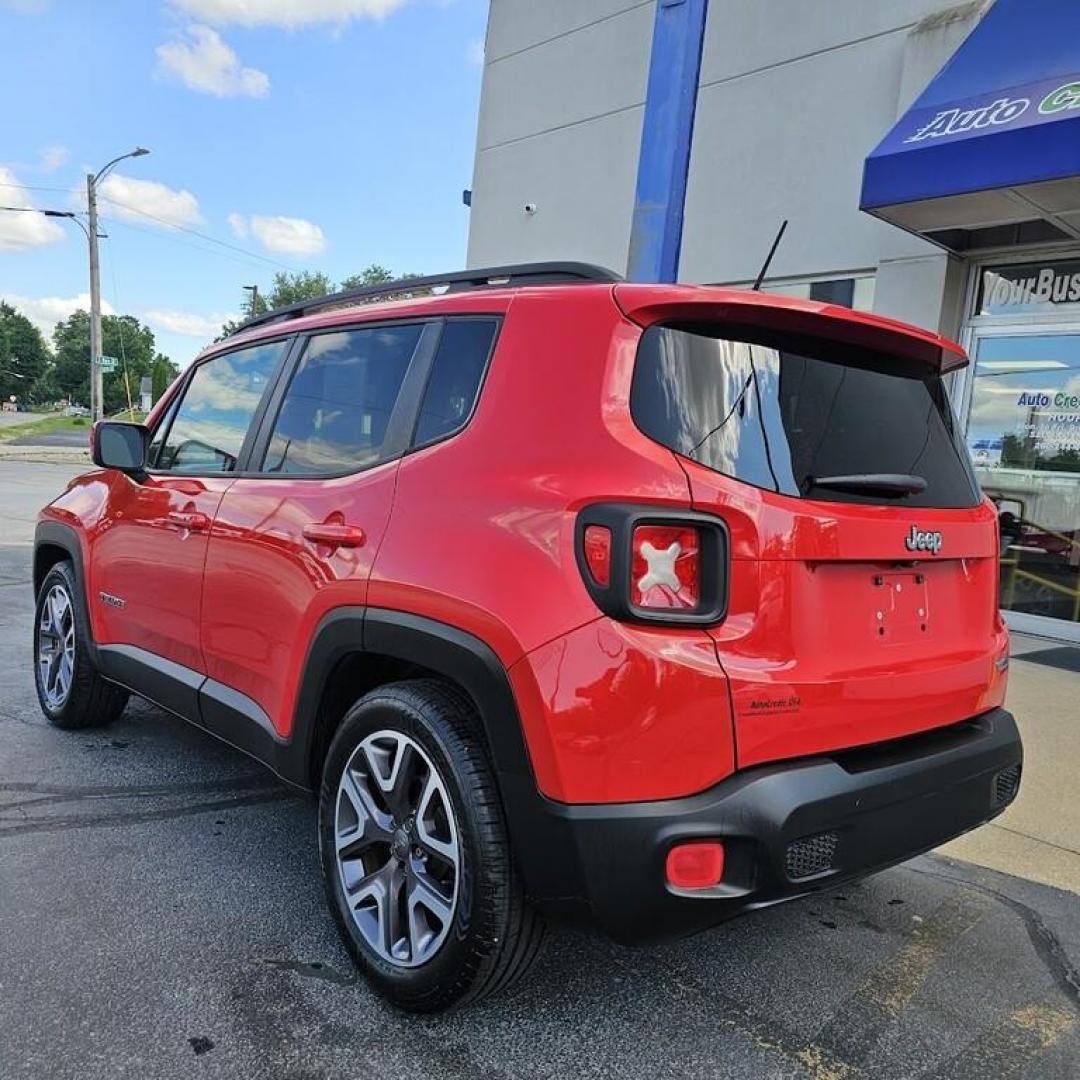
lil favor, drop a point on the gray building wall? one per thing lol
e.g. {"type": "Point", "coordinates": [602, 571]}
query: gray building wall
{"type": "Point", "coordinates": [793, 95]}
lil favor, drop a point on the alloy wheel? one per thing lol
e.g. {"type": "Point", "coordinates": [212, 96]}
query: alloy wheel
{"type": "Point", "coordinates": [56, 647]}
{"type": "Point", "coordinates": [398, 852]}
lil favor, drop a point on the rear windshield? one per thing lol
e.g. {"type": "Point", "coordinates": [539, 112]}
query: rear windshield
{"type": "Point", "coordinates": [785, 413]}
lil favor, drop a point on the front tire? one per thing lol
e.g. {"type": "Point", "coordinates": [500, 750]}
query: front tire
{"type": "Point", "coordinates": [415, 855]}
{"type": "Point", "coordinates": [70, 690]}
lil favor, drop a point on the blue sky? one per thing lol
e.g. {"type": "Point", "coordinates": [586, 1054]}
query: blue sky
{"type": "Point", "coordinates": [311, 134]}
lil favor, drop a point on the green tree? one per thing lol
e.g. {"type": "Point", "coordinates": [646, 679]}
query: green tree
{"type": "Point", "coordinates": [24, 356]}
{"type": "Point", "coordinates": [372, 275]}
{"type": "Point", "coordinates": [124, 337]}
{"type": "Point", "coordinates": [162, 374]}
{"type": "Point", "coordinates": [379, 275]}
{"type": "Point", "coordinates": [71, 352]}
{"type": "Point", "coordinates": [291, 288]}
{"type": "Point", "coordinates": [287, 288]}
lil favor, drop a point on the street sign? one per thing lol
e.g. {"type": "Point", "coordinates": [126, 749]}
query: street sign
{"type": "Point", "coordinates": [108, 363]}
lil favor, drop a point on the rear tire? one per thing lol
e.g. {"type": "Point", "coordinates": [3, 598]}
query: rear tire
{"type": "Point", "coordinates": [420, 879]}
{"type": "Point", "coordinates": [71, 691]}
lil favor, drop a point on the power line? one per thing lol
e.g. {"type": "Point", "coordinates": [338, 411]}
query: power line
{"type": "Point", "coordinates": [31, 187]}
{"type": "Point", "coordinates": [246, 252]}
{"type": "Point", "coordinates": [242, 259]}
{"type": "Point", "coordinates": [195, 232]}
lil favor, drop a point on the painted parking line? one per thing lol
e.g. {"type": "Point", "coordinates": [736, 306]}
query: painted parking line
{"type": "Point", "coordinates": [1011, 1046]}
{"type": "Point", "coordinates": [859, 1022]}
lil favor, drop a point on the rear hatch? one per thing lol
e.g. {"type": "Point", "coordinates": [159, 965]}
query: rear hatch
{"type": "Point", "coordinates": [863, 559]}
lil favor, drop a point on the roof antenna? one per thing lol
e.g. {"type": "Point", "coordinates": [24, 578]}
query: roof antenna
{"type": "Point", "coordinates": [768, 258]}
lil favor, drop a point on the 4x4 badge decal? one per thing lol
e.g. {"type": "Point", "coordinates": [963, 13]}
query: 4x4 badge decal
{"type": "Point", "coordinates": [917, 540]}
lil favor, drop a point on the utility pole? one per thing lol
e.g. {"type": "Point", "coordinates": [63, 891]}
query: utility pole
{"type": "Point", "coordinates": [97, 397]}
{"type": "Point", "coordinates": [254, 290]}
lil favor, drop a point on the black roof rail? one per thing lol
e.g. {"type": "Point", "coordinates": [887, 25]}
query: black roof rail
{"type": "Point", "coordinates": [546, 273]}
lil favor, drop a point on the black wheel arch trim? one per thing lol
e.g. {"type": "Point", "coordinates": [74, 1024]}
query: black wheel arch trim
{"type": "Point", "coordinates": [58, 535]}
{"type": "Point", "coordinates": [540, 839]}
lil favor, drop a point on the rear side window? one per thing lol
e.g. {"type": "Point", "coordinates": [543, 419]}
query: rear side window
{"type": "Point", "coordinates": [783, 415]}
{"type": "Point", "coordinates": [337, 408]}
{"type": "Point", "coordinates": [456, 374]}
{"type": "Point", "coordinates": [211, 422]}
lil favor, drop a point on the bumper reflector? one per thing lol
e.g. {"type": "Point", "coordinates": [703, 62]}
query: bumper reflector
{"type": "Point", "coordinates": [695, 865]}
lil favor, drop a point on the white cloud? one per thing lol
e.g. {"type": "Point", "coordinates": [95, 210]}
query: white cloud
{"type": "Point", "coordinates": [207, 64]}
{"type": "Point", "coordinates": [27, 7]}
{"type": "Point", "coordinates": [19, 231]}
{"type": "Point", "coordinates": [143, 200]}
{"type": "Point", "coordinates": [187, 323]}
{"type": "Point", "coordinates": [52, 157]}
{"type": "Point", "coordinates": [287, 14]}
{"type": "Point", "coordinates": [281, 235]}
{"type": "Point", "coordinates": [476, 52]}
{"type": "Point", "coordinates": [46, 311]}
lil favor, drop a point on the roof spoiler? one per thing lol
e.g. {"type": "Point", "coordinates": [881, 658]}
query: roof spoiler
{"type": "Point", "coordinates": [648, 304]}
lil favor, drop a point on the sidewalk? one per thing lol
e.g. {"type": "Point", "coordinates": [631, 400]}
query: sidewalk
{"type": "Point", "coordinates": [54, 455]}
{"type": "Point", "coordinates": [1038, 837]}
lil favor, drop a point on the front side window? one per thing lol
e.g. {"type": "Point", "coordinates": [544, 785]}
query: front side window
{"type": "Point", "coordinates": [805, 418]}
{"type": "Point", "coordinates": [211, 422]}
{"type": "Point", "coordinates": [336, 411]}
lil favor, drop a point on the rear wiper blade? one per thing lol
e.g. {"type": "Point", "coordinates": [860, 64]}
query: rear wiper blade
{"type": "Point", "coordinates": [894, 484]}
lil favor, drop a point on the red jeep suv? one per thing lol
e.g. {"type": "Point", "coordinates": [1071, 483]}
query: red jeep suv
{"type": "Point", "coordinates": [642, 604]}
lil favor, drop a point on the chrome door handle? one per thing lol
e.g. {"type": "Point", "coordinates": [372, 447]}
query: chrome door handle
{"type": "Point", "coordinates": [334, 536]}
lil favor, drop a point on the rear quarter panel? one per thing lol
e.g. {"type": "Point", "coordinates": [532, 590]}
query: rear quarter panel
{"type": "Point", "coordinates": [482, 531]}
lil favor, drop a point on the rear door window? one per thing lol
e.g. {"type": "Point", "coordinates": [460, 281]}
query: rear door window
{"type": "Point", "coordinates": [783, 415]}
{"type": "Point", "coordinates": [336, 410]}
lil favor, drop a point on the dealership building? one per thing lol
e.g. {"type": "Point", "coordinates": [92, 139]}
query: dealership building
{"type": "Point", "coordinates": [925, 154]}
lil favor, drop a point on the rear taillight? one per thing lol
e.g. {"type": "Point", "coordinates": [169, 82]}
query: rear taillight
{"type": "Point", "coordinates": [644, 564]}
{"type": "Point", "coordinates": [665, 570]}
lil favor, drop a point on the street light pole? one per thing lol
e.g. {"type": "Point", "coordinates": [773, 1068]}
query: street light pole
{"type": "Point", "coordinates": [97, 395]}
{"type": "Point", "coordinates": [97, 410]}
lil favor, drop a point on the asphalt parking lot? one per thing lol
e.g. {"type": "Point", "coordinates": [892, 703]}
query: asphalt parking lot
{"type": "Point", "coordinates": [161, 915]}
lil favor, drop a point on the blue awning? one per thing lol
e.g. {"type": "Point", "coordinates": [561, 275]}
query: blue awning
{"type": "Point", "coordinates": [1003, 115]}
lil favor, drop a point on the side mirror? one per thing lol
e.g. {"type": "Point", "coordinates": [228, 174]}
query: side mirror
{"type": "Point", "coordinates": [120, 446]}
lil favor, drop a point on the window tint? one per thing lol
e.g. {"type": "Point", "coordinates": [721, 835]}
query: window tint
{"type": "Point", "coordinates": [783, 418]}
{"type": "Point", "coordinates": [212, 420]}
{"type": "Point", "coordinates": [455, 378]}
{"type": "Point", "coordinates": [336, 410]}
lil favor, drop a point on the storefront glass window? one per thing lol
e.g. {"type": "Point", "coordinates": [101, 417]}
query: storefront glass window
{"type": "Point", "coordinates": [852, 292]}
{"type": "Point", "coordinates": [1024, 438]}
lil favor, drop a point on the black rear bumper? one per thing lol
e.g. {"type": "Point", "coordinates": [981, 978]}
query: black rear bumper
{"type": "Point", "coordinates": [787, 829]}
